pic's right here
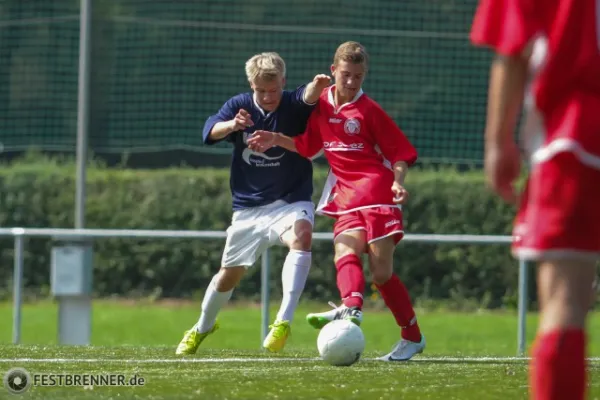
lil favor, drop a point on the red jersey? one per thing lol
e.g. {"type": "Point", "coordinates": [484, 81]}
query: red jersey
{"type": "Point", "coordinates": [564, 93]}
{"type": "Point", "coordinates": [362, 143]}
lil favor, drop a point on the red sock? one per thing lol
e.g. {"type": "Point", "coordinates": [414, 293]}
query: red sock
{"type": "Point", "coordinates": [397, 299]}
{"type": "Point", "coordinates": [350, 280]}
{"type": "Point", "coordinates": [557, 369]}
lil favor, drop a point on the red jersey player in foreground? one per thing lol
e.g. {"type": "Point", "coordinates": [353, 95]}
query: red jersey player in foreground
{"type": "Point", "coordinates": [369, 158]}
{"type": "Point", "coordinates": [548, 53]}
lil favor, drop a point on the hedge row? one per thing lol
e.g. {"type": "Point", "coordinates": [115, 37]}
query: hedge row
{"type": "Point", "coordinates": [442, 201]}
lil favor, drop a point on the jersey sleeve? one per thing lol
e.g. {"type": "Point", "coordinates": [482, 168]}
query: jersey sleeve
{"type": "Point", "coordinates": [226, 113]}
{"type": "Point", "coordinates": [390, 139]}
{"type": "Point", "coordinates": [309, 144]}
{"type": "Point", "coordinates": [507, 26]}
{"type": "Point", "coordinates": [298, 97]}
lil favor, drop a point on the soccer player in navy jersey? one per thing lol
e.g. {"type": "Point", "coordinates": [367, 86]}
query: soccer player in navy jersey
{"type": "Point", "coordinates": [271, 193]}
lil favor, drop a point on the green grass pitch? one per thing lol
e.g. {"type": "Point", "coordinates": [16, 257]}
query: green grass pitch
{"type": "Point", "coordinates": [468, 356]}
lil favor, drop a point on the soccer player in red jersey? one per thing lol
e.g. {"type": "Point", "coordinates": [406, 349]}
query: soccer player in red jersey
{"type": "Point", "coordinates": [548, 57]}
{"type": "Point", "coordinates": [369, 158]}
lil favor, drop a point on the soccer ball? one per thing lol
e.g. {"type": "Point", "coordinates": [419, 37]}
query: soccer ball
{"type": "Point", "coordinates": [341, 342]}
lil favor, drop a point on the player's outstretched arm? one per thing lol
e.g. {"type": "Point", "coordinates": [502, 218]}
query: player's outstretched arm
{"type": "Point", "coordinates": [315, 88]}
{"type": "Point", "coordinates": [262, 141]}
{"type": "Point", "coordinates": [241, 121]}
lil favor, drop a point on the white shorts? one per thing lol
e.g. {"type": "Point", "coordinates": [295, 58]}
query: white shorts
{"type": "Point", "coordinates": [253, 230]}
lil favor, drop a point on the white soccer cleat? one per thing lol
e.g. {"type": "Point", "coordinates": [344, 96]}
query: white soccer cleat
{"type": "Point", "coordinates": [404, 350]}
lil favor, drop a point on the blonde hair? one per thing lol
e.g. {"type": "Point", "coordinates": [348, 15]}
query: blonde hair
{"type": "Point", "coordinates": [352, 52]}
{"type": "Point", "coordinates": [268, 66]}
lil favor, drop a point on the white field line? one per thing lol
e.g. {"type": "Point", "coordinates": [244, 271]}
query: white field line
{"type": "Point", "coordinates": [252, 359]}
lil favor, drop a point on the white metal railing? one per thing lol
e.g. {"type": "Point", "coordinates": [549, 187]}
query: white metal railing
{"type": "Point", "coordinates": [19, 234]}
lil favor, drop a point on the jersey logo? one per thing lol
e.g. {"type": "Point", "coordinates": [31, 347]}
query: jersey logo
{"type": "Point", "coordinates": [352, 126]}
{"type": "Point", "coordinates": [260, 159]}
{"type": "Point", "coordinates": [334, 120]}
{"type": "Point", "coordinates": [341, 146]}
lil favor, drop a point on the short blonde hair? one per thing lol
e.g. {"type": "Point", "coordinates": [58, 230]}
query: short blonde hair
{"type": "Point", "coordinates": [268, 66]}
{"type": "Point", "coordinates": [352, 52]}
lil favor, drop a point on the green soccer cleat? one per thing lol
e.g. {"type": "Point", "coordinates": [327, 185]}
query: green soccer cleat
{"type": "Point", "coordinates": [192, 339]}
{"type": "Point", "coordinates": [319, 320]}
{"type": "Point", "coordinates": [275, 340]}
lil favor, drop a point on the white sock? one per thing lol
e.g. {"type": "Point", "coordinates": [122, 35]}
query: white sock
{"type": "Point", "coordinates": [211, 305]}
{"type": "Point", "coordinates": [293, 278]}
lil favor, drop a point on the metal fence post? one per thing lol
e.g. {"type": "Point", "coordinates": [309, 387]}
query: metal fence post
{"type": "Point", "coordinates": [264, 290]}
{"type": "Point", "coordinates": [83, 100]}
{"type": "Point", "coordinates": [523, 300]}
{"type": "Point", "coordinates": [17, 288]}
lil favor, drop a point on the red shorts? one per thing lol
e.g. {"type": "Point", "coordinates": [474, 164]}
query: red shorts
{"type": "Point", "coordinates": [559, 216]}
{"type": "Point", "coordinates": [377, 222]}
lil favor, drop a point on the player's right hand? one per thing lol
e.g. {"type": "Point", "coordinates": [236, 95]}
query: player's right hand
{"type": "Point", "coordinates": [261, 141]}
{"type": "Point", "coordinates": [242, 120]}
{"type": "Point", "coordinates": [502, 168]}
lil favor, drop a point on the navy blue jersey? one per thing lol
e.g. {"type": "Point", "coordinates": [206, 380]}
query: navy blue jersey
{"type": "Point", "coordinates": [258, 179]}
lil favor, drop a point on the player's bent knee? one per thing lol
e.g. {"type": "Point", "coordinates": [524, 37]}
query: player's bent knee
{"type": "Point", "coordinates": [381, 260]}
{"type": "Point", "coordinates": [344, 249]}
{"type": "Point", "coordinates": [381, 271]}
{"type": "Point", "coordinates": [351, 242]}
{"type": "Point", "coordinates": [228, 278]}
{"type": "Point", "coordinates": [380, 277]}
{"type": "Point", "coordinates": [302, 238]}
{"type": "Point", "coordinates": [299, 237]}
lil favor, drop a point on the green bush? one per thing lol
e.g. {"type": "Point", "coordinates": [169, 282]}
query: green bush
{"type": "Point", "coordinates": [442, 201]}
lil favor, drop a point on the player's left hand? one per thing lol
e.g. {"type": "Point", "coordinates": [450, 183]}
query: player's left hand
{"type": "Point", "coordinates": [261, 141]}
{"type": "Point", "coordinates": [400, 193]}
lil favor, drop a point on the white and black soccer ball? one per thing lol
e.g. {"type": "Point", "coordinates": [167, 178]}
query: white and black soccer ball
{"type": "Point", "coordinates": [341, 343]}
